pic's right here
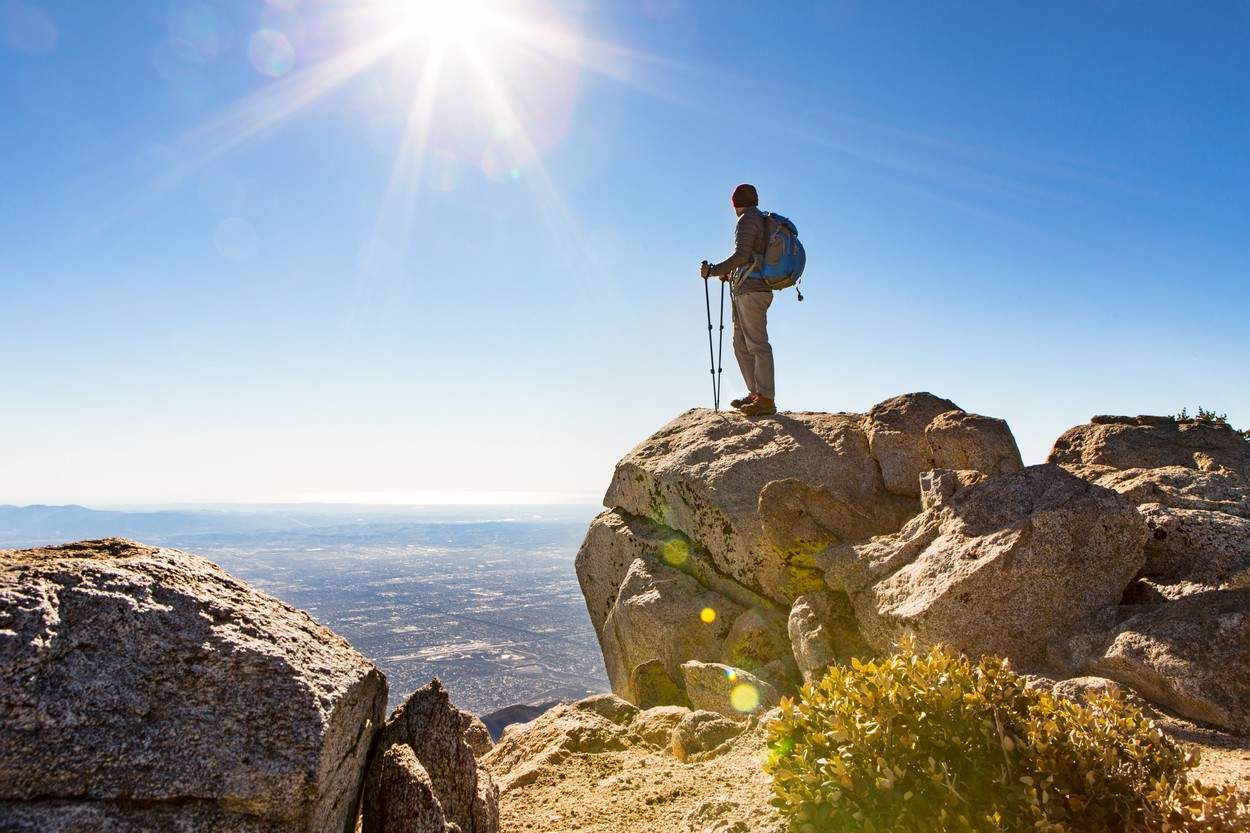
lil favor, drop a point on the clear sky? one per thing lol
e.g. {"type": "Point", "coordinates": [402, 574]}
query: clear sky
{"type": "Point", "coordinates": [285, 250]}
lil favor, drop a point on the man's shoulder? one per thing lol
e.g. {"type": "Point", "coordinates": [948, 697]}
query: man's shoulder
{"type": "Point", "coordinates": [752, 216]}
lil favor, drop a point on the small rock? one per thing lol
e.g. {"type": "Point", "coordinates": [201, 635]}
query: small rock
{"type": "Point", "coordinates": [477, 735]}
{"type": "Point", "coordinates": [610, 706]}
{"type": "Point", "coordinates": [702, 731]}
{"type": "Point", "coordinates": [726, 690]}
{"type": "Point", "coordinates": [656, 725]}
{"type": "Point", "coordinates": [1083, 688]}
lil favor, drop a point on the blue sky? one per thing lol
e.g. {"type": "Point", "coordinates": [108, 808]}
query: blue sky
{"type": "Point", "coordinates": [232, 272]}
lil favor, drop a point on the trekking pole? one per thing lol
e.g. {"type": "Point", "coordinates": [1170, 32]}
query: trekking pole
{"type": "Point", "coordinates": [720, 345]}
{"type": "Point", "coordinates": [707, 302]}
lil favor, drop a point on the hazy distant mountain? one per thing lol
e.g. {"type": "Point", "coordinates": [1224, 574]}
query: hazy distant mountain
{"type": "Point", "coordinates": [34, 525]}
{"type": "Point", "coordinates": [499, 720]}
{"type": "Point", "coordinates": [37, 525]}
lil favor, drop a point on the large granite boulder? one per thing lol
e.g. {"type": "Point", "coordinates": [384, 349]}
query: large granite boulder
{"type": "Point", "coordinates": [714, 524]}
{"type": "Point", "coordinates": [446, 782]}
{"type": "Point", "coordinates": [1191, 655]}
{"type": "Point", "coordinates": [145, 689]}
{"type": "Point", "coordinates": [915, 432]}
{"type": "Point", "coordinates": [1149, 442]}
{"type": "Point", "coordinates": [1180, 636]}
{"type": "Point", "coordinates": [702, 731]}
{"type": "Point", "coordinates": [1010, 566]}
{"type": "Point", "coordinates": [704, 475]}
{"type": "Point", "coordinates": [655, 601]}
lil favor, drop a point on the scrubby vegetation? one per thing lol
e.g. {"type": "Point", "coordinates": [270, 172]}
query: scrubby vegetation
{"type": "Point", "coordinates": [1210, 417]}
{"type": "Point", "coordinates": [922, 742]}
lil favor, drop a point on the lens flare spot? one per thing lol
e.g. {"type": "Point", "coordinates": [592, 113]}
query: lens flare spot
{"type": "Point", "coordinates": [676, 552]}
{"type": "Point", "coordinates": [515, 173]}
{"type": "Point", "coordinates": [271, 53]}
{"type": "Point", "coordinates": [707, 615]}
{"type": "Point", "coordinates": [744, 698]}
{"type": "Point", "coordinates": [731, 674]}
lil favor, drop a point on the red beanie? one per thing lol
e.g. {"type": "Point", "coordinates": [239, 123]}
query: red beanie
{"type": "Point", "coordinates": [745, 195]}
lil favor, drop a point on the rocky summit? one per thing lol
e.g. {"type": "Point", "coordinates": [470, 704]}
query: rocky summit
{"type": "Point", "coordinates": [710, 546]}
{"type": "Point", "coordinates": [145, 689]}
{"type": "Point", "coordinates": [745, 555]}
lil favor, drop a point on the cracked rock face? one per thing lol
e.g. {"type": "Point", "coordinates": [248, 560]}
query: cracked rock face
{"type": "Point", "coordinates": [147, 689]}
{"type": "Point", "coordinates": [714, 524]}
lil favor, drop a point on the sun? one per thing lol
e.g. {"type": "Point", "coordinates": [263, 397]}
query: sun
{"type": "Point", "coordinates": [471, 87]}
{"type": "Point", "coordinates": [447, 23]}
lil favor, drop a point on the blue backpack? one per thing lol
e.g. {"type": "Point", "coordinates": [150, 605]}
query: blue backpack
{"type": "Point", "coordinates": [781, 264]}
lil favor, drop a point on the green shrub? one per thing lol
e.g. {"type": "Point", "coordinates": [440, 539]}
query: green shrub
{"type": "Point", "coordinates": [922, 742]}
{"type": "Point", "coordinates": [1210, 417]}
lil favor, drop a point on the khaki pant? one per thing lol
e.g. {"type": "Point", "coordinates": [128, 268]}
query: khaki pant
{"type": "Point", "coordinates": [755, 354]}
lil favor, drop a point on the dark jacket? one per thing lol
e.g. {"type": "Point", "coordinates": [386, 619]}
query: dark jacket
{"type": "Point", "coordinates": [748, 241]}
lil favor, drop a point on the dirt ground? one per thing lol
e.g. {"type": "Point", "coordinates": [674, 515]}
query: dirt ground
{"type": "Point", "coordinates": [645, 790]}
{"type": "Point", "coordinates": [642, 789]}
{"type": "Point", "coordinates": [1225, 759]}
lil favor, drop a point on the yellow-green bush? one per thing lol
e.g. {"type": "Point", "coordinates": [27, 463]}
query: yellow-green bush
{"type": "Point", "coordinates": [928, 742]}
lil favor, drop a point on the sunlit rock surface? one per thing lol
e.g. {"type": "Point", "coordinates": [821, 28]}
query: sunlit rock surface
{"type": "Point", "coordinates": [715, 522]}
{"type": "Point", "coordinates": [147, 689]}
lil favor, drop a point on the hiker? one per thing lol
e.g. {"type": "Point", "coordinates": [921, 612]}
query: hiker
{"type": "Point", "coordinates": [750, 299]}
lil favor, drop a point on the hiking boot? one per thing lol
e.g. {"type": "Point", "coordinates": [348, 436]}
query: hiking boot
{"type": "Point", "coordinates": [759, 406]}
{"type": "Point", "coordinates": [738, 403]}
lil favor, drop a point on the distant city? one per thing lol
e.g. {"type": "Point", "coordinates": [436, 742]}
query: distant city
{"type": "Point", "coordinates": [484, 598]}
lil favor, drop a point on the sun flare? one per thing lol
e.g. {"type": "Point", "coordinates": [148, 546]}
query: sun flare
{"type": "Point", "coordinates": [444, 23]}
{"type": "Point", "coordinates": [457, 90]}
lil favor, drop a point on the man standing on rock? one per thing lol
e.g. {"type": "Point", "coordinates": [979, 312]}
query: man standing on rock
{"type": "Point", "coordinates": [751, 299]}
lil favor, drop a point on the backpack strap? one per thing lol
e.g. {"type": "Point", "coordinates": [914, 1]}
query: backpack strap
{"type": "Point", "coordinates": [766, 217]}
